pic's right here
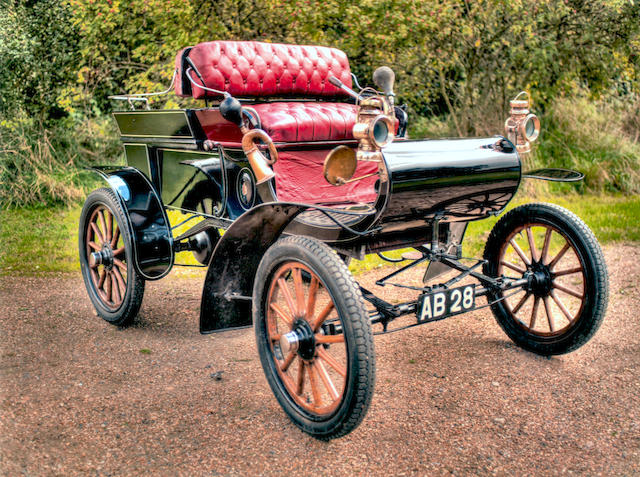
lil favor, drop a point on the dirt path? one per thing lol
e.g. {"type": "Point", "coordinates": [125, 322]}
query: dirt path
{"type": "Point", "coordinates": [82, 397]}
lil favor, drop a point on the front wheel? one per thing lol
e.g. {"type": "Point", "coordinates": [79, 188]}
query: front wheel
{"type": "Point", "coordinates": [565, 299]}
{"type": "Point", "coordinates": [314, 337]}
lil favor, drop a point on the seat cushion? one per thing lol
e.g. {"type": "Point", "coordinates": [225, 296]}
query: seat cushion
{"type": "Point", "coordinates": [256, 69]}
{"type": "Point", "coordinates": [307, 121]}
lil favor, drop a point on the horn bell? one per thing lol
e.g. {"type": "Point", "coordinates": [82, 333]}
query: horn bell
{"type": "Point", "coordinates": [258, 162]}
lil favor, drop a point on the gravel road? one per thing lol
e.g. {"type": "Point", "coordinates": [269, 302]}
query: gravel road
{"type": "Point", "coordinates": [80, 396]}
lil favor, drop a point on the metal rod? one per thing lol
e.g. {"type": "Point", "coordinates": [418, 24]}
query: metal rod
{"type": "Point", "coordinates": [383, 280]}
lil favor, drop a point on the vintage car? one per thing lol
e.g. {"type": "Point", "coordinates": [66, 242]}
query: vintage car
{"type": "Point", "coordinates": [286, 174]}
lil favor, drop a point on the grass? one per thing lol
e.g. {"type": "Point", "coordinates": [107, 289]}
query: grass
{"type": "Point", "coordinates": [44, 240]}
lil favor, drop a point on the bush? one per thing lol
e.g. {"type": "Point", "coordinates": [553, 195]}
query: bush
{"type": "Point", "coordinates": [44, 165]}
{"type": "Point", "coordinates": [599, 138]}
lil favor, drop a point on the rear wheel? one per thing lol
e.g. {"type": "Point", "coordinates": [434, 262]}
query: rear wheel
{"type": "Point", "coordinates": [314, 337]}
{"type": "Point", "coordinates": [106, 258]}
{"type": "Point", "coordinates": [566, 298]}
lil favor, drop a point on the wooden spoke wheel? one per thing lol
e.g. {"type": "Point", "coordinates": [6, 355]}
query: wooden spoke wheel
{"type": "Point", "coordinates": [106, 255]}
{"type": "Point", "coordinates": [314, 337]}
{"type": "Point", "coordinates": [565, 298]}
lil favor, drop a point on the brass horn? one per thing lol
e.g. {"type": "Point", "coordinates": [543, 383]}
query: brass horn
{"type": "Point", "coordinates": [259, 163]}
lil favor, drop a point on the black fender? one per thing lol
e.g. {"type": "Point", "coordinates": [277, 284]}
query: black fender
{"type": "Point", "coordinates": [228, 287]}
{"type": "Point", "coordinates": [146, 219]}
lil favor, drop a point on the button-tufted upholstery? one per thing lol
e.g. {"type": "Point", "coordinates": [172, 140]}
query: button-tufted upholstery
{"type": "Point", "coordinates": [309, 121]}
{"type": "Point", "coordinates": [256, 69]}
{"type": "Point", "coordinates": [290, 121]}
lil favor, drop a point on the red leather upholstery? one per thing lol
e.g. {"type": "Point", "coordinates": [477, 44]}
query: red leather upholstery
{"type": "Point", "coordinates": [255, 69]}
{"type": "Point", "coordinates": [302, 122]}
{"type": "Point", "coordinates": [287, 122]}
{"type": "Point", "coordinates": [300, 178]}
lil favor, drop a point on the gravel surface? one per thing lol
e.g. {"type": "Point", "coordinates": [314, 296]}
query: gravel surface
{"type": "Point", "coordinates": [80, 396]}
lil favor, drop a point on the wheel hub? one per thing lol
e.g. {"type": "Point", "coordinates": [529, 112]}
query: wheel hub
{"type": "Point", "coordinates": [103, 257]}
{"type": "Point", "coordinates": [300, 339]}
{"type": "Point", "coordinates": [541, 280]}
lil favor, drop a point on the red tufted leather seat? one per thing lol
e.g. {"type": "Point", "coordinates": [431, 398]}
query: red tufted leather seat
{"type": "Point", "coordinates": [256, 69]}
{"type": "Point", "coordinates": [302, 122]}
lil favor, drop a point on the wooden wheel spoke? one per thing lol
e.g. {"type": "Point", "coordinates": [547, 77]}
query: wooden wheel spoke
{"type": "Point", "coordinates": [109, 225]}
{"type": "Point", "coordinates": [120, 264]}
{"type": "Point", "coordinates": [326, 379]}
{"type": "Point", "coordinates": [282, 284]}
{"type": "Point", "coordinates": [287, 361]}
{"type": "Point", "coordinates": [522, 301]}
{"type": "Point", "coordinates": [512, 266]}
{"type": "Point", "coordinates": [561, 306]}
{"type": "Point", "coordinates": [300, 378]}
{"type": "Point", "coordinates": [532, 245]}
{"type": "Point", "coordinates": [96, 231]}
{"type": "Point", "coordinates": [297, 284]}
{"type": "Point", "coordinates": [547, 309]}
{"type": "Point", "coordinates": [108, 287]}
{"type": "Point", "coordinates": [315, 388]}
{"type": "Point", "coordinates": [281, 313]}
{"type": "Point", "coordinates": [121, 283]}
{"type": "Point", "coordinates": [103, 222]}
{"type": "Point", "coordinates": [569, 271]}
{"type": "Point", "coordinates": [329, 339]}
{"type": "Point", "coordinates": [558, 257]}
{"type": "Point", "coordinates": [103, 275]}
{"type": "Point", "coordinates": [311, 302]}
{"type": "Point", "coordinates": [519, 251]}
{"type": "Point", "coordinates": [568, 291]}
{"type": "Point", "coordinates": [331, 361]}
{"type": "Point", "coordinates": [322, 316]}
{"type": "Point", "coordinates": [94, 246]}
{"type": "Point", "coordinates": [116, 236]}
{"type": "Point", "coordinates": [545, 245]}
{"type": "Point", "coordinates": [118, 251]}
{"type": "Point", "coordinates": [534, 313]}
{"type": "Point", "coordinates": [116, 288]}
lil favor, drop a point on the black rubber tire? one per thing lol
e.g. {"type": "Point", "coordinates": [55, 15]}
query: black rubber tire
{"type": "Point", "coordinates": [596, 282]}
{"type": "Point", "coordinates": [125, 314]}
{"type": "Point", "coordinates": [344, 291]}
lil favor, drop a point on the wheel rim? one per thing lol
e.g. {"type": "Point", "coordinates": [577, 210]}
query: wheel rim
{"type": "Point", "coordinates": [553, 301]}
{"type": "Point", "coordinates": [106, 257]}
{"type": "Point", "coordinates": [309, 353]}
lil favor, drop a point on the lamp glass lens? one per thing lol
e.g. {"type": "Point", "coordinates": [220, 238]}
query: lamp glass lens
{"type": "Point", "coordinates": [380, 132]}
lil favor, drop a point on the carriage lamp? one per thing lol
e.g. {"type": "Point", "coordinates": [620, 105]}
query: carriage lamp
{"type": "Point", "coordinates": [522, 127]}
{"type": "Point", "coordinates": [374, 130]}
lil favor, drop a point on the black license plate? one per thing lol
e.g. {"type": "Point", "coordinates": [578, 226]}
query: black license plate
{"type": "Point", "coordinates": [447, 302]}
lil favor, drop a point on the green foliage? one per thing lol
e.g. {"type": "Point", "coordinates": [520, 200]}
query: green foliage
{"type": "Point", "coordinates": [597, 138]}
{"type": "Point", "coordinates": [38, 57]}
{"type": "Point", "coordinates": [44, 165]}
{"type": "Point", "coordinates": [36, 240]}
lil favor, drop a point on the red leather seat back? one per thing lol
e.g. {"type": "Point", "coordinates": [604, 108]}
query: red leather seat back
{"type": "Point", "coordinates": [256, 69]}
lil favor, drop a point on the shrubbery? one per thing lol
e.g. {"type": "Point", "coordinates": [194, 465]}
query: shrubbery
{"type": "Point", "coordinates": [457, 64]}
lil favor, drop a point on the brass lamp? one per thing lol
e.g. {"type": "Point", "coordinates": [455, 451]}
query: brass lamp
{"type": "Point", "coordinates": [522, 127]}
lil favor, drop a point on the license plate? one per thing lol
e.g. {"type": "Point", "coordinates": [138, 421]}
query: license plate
{"type": "Point", "coordinates": [442, 303]}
